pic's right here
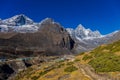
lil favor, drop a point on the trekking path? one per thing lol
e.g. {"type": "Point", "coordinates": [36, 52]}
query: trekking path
{"type": "Point", "coordinates": [86, 69]}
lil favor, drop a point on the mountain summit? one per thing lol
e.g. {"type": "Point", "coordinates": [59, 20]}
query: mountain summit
{"type": "Point", "coordinates": [18, 23]}
{"type": "Point", "coordinates": [82, 33]}
{"type": "Point", "coordinates": [86, 39]}
{"type": "Point", "coordinates": [18, 20]}
{"type": "Point", "coordinates": [47, 21]}
{"type": "Point", "coordinates": [22, 24]}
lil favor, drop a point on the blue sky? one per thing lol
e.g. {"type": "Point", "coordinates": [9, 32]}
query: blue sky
{"type": "Point", "coordinates": [102, 15]}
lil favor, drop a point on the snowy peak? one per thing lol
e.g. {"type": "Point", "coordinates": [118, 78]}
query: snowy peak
{"type": "Point", "coordinates": [82, 30]}
{"type": "Point", "coordinates": [18, 20]}
{"type": "Point", "coordinates": [80, 27]}
{"type": "Point", "coordinates": [82, 33]}
{"type": "Point", "coordinates": [18, 23]}
{"type": "Point", "coordinates": [23, 24]}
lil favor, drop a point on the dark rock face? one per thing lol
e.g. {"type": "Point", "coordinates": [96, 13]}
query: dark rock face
{"type": "Point", "coordinates": [5, 71]}
{"type": "Point", "coordinates": [20, 20]}
{"type": "Point", "coordinates": [11, 68]}
{"type": "Point", "coordinates": [51, 39]}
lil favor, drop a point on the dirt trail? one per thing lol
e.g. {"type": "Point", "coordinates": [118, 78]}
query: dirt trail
{"type": "Point", "coordinates": [86, 69]}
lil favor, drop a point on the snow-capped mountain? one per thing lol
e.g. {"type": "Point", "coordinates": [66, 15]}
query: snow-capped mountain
{"type": "Point", "coordinates": [18, 20]}
{"type": "Point", "coordinates": [22, 24]}
{"type": "Point", "coordinates": [19, 23]}
{"type": "Point", "coordinates": [86, 39]}
{"type": "Point", "coordinates": [82, 33]}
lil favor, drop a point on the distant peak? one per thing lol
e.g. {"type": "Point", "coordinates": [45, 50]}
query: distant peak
{"type": "Point", "coordinates": [20, 19]}
{"type": "Point", "coordinates": [80, 26]}
{"type": "Point", "coordinates": [22, 16]}
{"type": "Point", "coordinates": [84, 33]}
{"type": "Point", "coordinates": [47, 20]}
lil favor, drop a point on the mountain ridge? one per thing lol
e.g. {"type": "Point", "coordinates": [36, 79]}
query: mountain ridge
{"type": "Point", "coordinates": [85, 39]}
{"type": "Point", "coordinates": [22, 20]}
{"type": "Point", "coordinates": [15, 21]}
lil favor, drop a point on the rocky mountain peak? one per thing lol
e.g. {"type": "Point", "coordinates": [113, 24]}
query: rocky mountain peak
{"type": "Point", "coordinates": [47, 21]}
{"type": "Point", "coordinates": [80, 27]}
{"type": "Point", "coordinates": [18, 20]}
{"type": "Point", "coordinates": [82, 33]}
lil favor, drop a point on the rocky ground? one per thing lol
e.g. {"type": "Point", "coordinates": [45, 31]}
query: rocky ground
{"type": "Point", "coordinates": [56, 70]}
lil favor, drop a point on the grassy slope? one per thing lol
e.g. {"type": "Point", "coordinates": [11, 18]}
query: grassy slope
{"type": "Point", "coordinates": [104, 59]}
{"type": "Point", "coordinates": [53, 71]}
